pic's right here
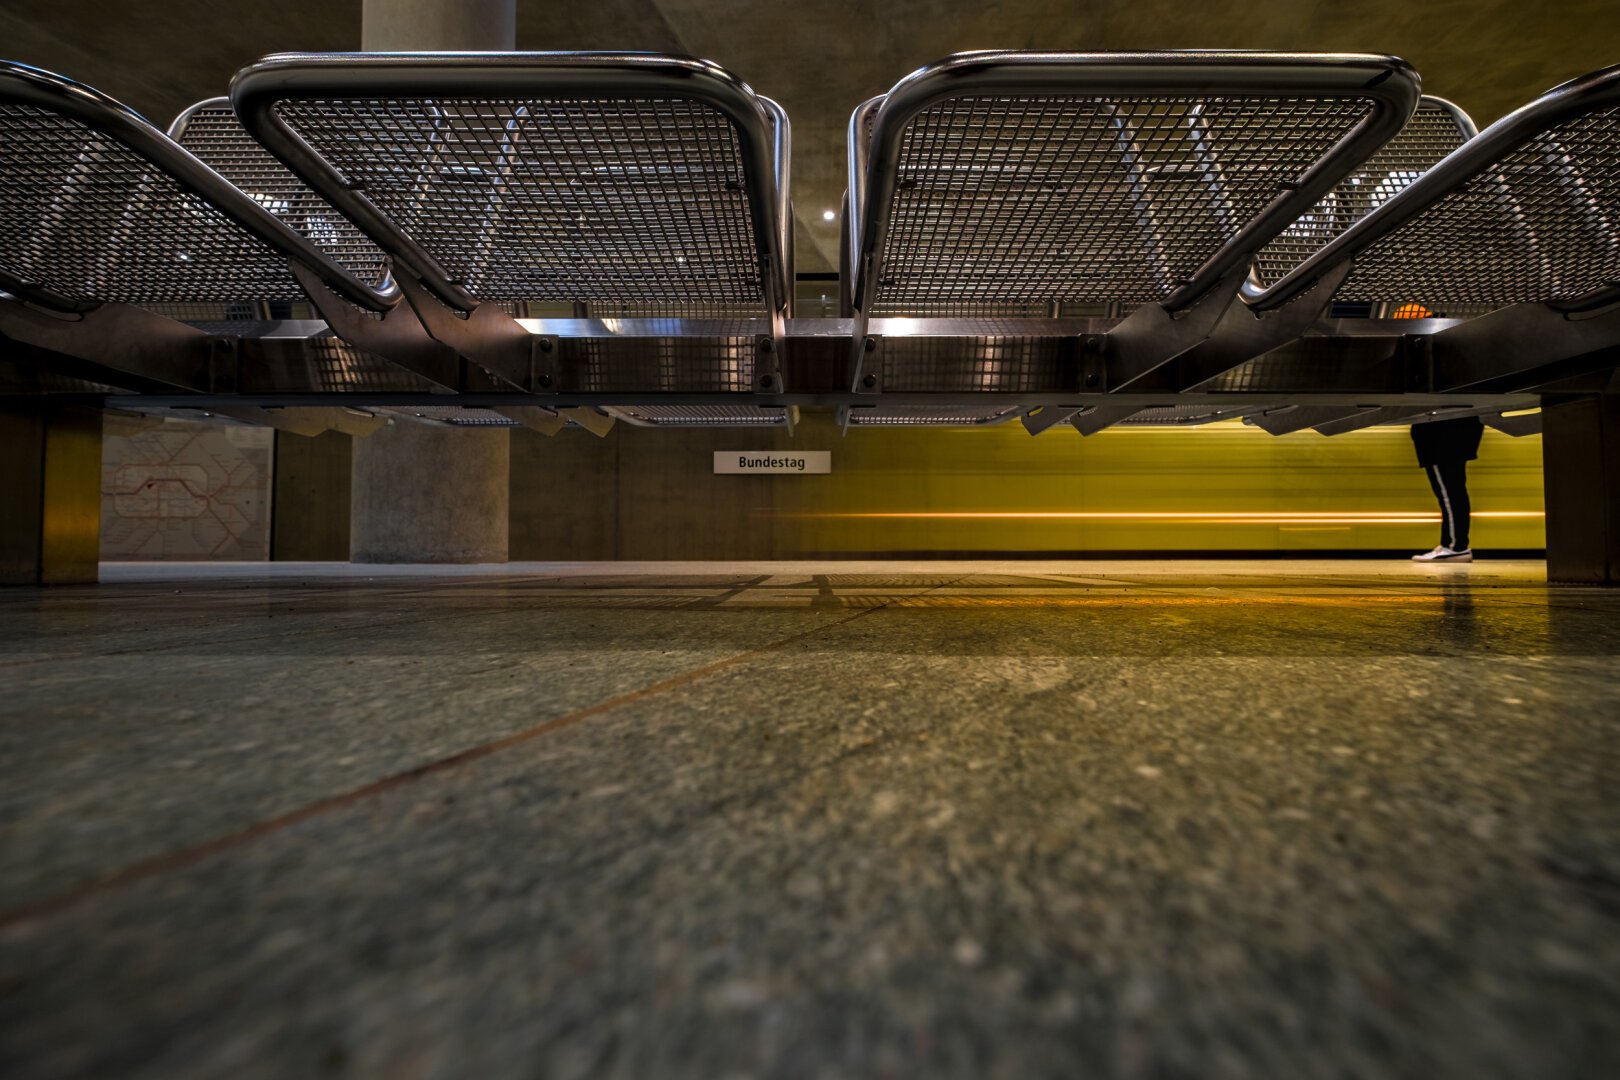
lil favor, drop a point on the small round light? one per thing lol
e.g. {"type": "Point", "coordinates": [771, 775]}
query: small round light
{"type": "Point", "coordinates": [828, 215]}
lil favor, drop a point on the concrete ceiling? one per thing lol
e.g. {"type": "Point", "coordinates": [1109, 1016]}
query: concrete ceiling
{"type": "Point", "coordinates": [821, 58]}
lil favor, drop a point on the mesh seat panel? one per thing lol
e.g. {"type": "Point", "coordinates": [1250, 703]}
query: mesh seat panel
{"type": "Point", "coordinates": [607, 202]}
{"type": "Point", "coordinates": [1431, 134]}
{"type": "Point", "coordinates": [669, 309]}
{"type": "Point", "coordinates": [214, 134]}
{"type": "Point", "coordinates": [705, 415]}
{"type": "Point", "coordinates": [926, 416]}
{"type": "Point", "coordinates": [455, 415]}
{"type": "Point", "coordinates": [1006, 204]}
{"type": "Point", "coordinates": [82, 215]}
{"type": "Point", "coordinates": [1181, 415]}
{"type": "Point", "coordinates": [1544, 225]}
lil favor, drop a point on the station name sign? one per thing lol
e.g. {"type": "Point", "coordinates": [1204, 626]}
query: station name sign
{"type": "Point", "coordinates": [732, 462]}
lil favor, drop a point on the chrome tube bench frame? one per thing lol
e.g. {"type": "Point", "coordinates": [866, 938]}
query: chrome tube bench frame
{"type": "Point", "coordinates": [1532, 341]}
{"type": "Point", "coordinates": [1101, 355]}
{"type": "Point", "coordinates": [210, 131]}
{"type": "Point", "coordinates": [1523, 170]}
{"type": "Point", "coordinates": [124, 166]}
{"type": "Point", "coordinates": [1436, 129]}
{"type": "Point", "coordinates": [372, 350]}
{"type": "Point", "coordinates": [536, 357]}
{"type": "Point", "coordinates": [244, 367]}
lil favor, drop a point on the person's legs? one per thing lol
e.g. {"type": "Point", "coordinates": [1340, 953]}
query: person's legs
{"type": "Point", "coordinates": [1454, 482]}
{"type": "Point", "coordinates": [1437, 484]}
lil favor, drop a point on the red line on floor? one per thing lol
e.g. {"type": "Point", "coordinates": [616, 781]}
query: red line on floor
{"type": "Point", "coordinates": [195, 853]}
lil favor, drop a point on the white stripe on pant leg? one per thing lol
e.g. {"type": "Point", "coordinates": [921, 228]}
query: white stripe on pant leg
{"type": "Point", "coordinates": [1445, 501]}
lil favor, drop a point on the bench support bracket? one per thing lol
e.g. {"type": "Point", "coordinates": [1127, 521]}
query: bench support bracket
{"type": "Point", "coordinates": [489, 338]}
{"type": "Point", "coordinates": [398, 336]}
{"type": "Point", "coordinates": [131, 341]}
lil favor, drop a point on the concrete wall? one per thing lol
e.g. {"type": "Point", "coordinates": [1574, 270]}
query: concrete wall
{"type": "Point", "coordinates": [424, 493]}
{"type": "Point", "coordinates": [648, 494]}
{"type": "Point", "coordinates": [638, 494]}
{"type": "Point", "coordinates": [185, 491]}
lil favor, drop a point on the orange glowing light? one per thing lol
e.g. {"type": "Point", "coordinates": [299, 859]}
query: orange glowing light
{"type": "Point", "coordinates": [1412, 311]}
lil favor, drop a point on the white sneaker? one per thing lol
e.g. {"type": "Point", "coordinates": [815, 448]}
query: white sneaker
{"type": "Point", "coordinates": [1445, 554]}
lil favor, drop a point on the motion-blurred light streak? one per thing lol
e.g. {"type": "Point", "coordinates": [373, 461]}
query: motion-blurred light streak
{"type": "Point", "coordinates": [1189, 517]}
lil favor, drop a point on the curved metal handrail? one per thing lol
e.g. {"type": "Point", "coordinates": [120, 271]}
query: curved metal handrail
{"type": "Point", "coordinates": [256, 90]}
{"type": "Point", "coordinates": [179, 131]}
{"type": "Point", "coordinates": [855, 194]}
{"type": "Point", "coordinates": [48, 91]}
{"type": "Point", "coordinates": [1387, 83]}
{"type": "Point", "coordinates": [782, 164]}
{"type": "Point", "coordinates": [185, 116]}
{"type": "Point", "coordinates": [1600, 89]}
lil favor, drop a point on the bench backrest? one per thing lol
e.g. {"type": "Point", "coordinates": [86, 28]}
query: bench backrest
{"type": "Point", "coordinates": [1003, 183]}
{"type": "Point", "coordinates": [97, 205]}
{"type": "Point", "coordinates": [210, 131]}
{"type": "Point", "coordinates": [1435, 130]}
{"type": "Point", "coordinates": [1528, 211]}
{"type": "Point", "coordinates": [606, 179]}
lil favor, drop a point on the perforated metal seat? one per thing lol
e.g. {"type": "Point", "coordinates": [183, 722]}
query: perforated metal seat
{"type": "Point", "coordinates": [1528, 212]}
{"type": "Point", "coordinates": [1437, 128]}
{"type": "Point", "coordinates": [454, 416]}
{"type": "Point", "coordinates": [722, 416]}
{"type": "Point", "coordinates": [1007, 183]}
{"type": "Point", "coordinates": [634, 182]}
{"type": "Point", "coordinates": [210, 131]}
{"type": "Point", "coordinates": [97, 205]}
{"type": "Point", "coordinates": [1182, 416]}
{"type": "Point", "coordinates": [927, 416]}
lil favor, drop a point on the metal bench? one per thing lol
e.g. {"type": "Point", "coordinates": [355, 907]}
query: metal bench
{"type": "Point", "coordinates": [584, 239]}
{"type": "Point", "coordinates": [1523, 218]}
{"type": "Point", "coordinates": [210, 132]}
{"type": "Point", "coordinates": [549, 421]}
{"type": "Point", "coordinates": [100, 211]}
{"type": "Point", "coordinates": [603, 184]}
{"type": "Point", "coordinates": [706, 416]}
{"type": "Point", "coordinates": [1055, 192]}
{"type": "Point", "coordinates": [1437, 128]}
{"type": "Point", "coordinates": [877, 414]}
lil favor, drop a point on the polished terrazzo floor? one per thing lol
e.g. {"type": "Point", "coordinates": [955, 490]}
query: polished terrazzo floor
{"type": "Point", "coordinates": [725, 820]}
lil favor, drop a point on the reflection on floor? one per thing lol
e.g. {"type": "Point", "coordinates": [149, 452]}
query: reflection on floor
{"type": "Point", "coordinates": [935, 819]}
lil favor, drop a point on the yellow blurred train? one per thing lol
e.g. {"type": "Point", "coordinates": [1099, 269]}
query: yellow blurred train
{"type": "Point", "coordinates": [1221, 487]}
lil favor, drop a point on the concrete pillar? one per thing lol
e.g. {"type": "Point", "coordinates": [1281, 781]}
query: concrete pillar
{"type": "Point", "coordinates": [451, 25]}
{"type": "Point", "coordinates": [1580, 461]}
{"type": "Point", "coordinates": [431, 494]}
{"type": "Point", "coordinates": [423, 493]}
{"type": "Point", "coordinates": [50, 493]}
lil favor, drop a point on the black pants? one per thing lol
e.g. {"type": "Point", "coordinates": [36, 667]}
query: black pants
{"type": "Point", "coordinates": [1450, 483]}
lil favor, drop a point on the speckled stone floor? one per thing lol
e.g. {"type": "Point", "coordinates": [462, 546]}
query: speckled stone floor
{"type": "Point", "coordinates": [787, 820]}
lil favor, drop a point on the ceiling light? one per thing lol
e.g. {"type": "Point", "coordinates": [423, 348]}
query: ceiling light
{"type": "Point", "coordinates": [828, 215]}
